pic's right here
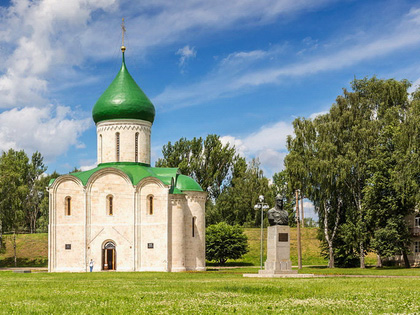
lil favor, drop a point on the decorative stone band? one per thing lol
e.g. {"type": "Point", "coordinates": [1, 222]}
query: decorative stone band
{"type": "Point", "coordinates": [126, 124]}
{"type": "Point", "coordinates": [177, 200]}
{"type": "Point", "coordinates": [196, 196]}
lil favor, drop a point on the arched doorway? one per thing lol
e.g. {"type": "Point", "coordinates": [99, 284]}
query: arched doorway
{"type": "Point", "coordinates": [109, 256]}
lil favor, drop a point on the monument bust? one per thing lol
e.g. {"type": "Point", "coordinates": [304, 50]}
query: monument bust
{"type": "Point", "coordinates": [276, 215]}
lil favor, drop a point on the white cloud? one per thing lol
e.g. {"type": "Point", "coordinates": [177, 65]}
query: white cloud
{"type": "Point", "coordinates": [221, 82]}
{"type": "Point", "coordinates": [165, 21]}
{"type": "Point", "coordinates": [50, 130]}
{"type": "Point", "coordinates": [268, 144]}
{"type": "Point", "coordinates": [309, 210]}
{"type": "Point", "coordinates": [241, 71]}
{"type": "Point", "coordinates": [43, 45]}
{"type": "Point", "coordinates": [414, 86]}
{"type": "Point", "coordinates": [43, 36]}
{"type": "Point", "coordinates": [86, 167]}
{"type": "Point", "coordinates": [186, 53]}
{"type": "Point", "coordinates": [47, 38]}
{"type": "Point", "coordinates": [314, 115]}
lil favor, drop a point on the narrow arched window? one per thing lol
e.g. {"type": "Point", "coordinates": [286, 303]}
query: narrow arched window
{"type": "Point", "coordinates": [68, 205]}
{"type": "Point", "coordinates": [100, 147]}
{"type": "Point", "coordinates": [117, 146]}
{"type": "Point", "coordinates": [110, 205]}
{"type": "Point", "coordinates": [150, 204]}
{"type": "Point", "coordinates": [193, 226]}
{"type": "Point", "coordinates": [136, 147]}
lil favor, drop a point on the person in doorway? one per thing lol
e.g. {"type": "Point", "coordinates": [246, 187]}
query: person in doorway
{"type": "Point", "coordinates": [91, 263]}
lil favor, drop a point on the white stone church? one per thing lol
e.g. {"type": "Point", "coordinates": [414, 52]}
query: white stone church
{"type": "Point", "coordinates": [124, 214]}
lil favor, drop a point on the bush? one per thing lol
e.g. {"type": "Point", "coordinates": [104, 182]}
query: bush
{"type": "Point", "coordinates": [224, 241]}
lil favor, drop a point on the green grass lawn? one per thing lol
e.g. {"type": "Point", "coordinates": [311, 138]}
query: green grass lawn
{"type": "Point", "coordinates": [203, 293]}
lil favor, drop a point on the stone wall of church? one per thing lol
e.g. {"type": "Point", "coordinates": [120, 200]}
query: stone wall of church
{"type": "Point", "coordinates": [152, 223]}
{"type": "Point", "coordinates": [66, 232]}
{"type": "Point", "coordinates": [125, 133]}
{"type": "Point", "coordinates": [188, 231]}
{"type": "Point", "coordinates": [104, 227]}
{"type": "Point", "coordinates": [178, 204]}
{"type": "Point", "coordinates": [195, 231]}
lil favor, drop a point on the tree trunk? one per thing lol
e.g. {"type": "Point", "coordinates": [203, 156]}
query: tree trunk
{"type": "Point", "coordinates": [34, 219]}
{"type": "Point", "coordinates": [14, 246]}
{"type": "Point", "coordinates": [31, 223]}
{"type": "Point", "coordinates": [1, 236]}
{"type": "Point", "coordinates": [302, 212]}
{"type": "Point", "coordinates": [378, 261]}
{"type": "Point", "coordinates": [331, 260]}
{"type": "Point", "coordinates": [362, 255]}
{"type": "Point", "coordinates": [406, 261]}
{"type": "Point", "coordinates": [327, 237]}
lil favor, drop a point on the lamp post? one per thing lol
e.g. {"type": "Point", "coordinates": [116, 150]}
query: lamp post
{"type": "Point", "coordinates": [299, 245]}
{"type": "Point", "coordinates": [261, 205]}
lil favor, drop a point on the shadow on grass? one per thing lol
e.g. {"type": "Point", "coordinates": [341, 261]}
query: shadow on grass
{"type": "Point", "coordinates": [23, 262]}
{"type": "Point", "coordinates": [367, 267]}
{"type": "Point", "coordinates": [229, 264]}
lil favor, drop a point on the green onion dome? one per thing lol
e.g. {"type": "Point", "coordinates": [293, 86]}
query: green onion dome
{"type": "Point", "coordinates": [123, 99]}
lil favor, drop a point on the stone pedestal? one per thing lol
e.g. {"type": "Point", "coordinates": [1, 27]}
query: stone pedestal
{"type": "Point", "coordinates": [278, 251]}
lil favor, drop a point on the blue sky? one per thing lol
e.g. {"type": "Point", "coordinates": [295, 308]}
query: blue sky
{"type": "Point", "coordinates": [242, 69]}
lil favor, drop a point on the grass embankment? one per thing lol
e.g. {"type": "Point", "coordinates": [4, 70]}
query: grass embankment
{"type": "Point", "coordinates": [311, 252]}
{"type": "Point", "coordinates": [32, 250]}
{"type": "Point", "coordinates": [202, 293]}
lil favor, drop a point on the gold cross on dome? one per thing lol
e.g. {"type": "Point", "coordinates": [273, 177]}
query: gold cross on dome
{"type": "Point", "coordinates": [123, 33]}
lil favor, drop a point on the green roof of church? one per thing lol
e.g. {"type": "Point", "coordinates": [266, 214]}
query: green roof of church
{"type": "Point", "coordinates": [123, 99]}
{"type": "Point", "coordinates": [138, 171]}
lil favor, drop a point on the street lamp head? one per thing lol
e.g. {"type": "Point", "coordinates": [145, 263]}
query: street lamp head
{"type": "Point", "coordinates": [256, 207]}
{"type": "Point", "coordinates": [265, 207]}
{"type": "Point", "coordinates": [261, 198]}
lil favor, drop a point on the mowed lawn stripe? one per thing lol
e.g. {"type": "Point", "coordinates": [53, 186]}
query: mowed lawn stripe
{"type": "Point", "coordinates": [201, 293]}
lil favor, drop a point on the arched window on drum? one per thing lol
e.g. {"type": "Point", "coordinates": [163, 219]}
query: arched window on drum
{"type": "Point", "coordinates": [136, 147]}
{"type": "Point", "coordinates": [117, 146]}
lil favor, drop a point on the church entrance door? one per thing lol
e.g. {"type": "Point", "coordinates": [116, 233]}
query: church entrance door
{"type": "Point", "coordinates": [109, 256]}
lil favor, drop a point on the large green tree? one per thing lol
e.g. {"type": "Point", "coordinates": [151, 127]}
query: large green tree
{"type": "Point", "coordinates": [36, 192]}
{"type": "Point", "coordinates": [347, 163]}
{"type": "Point", "coordinates": [207, 160]}
{"type": "Point", "coordinates": [236, 203]}
{"type": "Point", "coordinates": [14, 170]}
{"type": "Point", "coordinates": [22, 192]}
{"type": "Point", "coordinates": [42, 215]}
{"type": "Point", "coordinates": [311, 166]}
